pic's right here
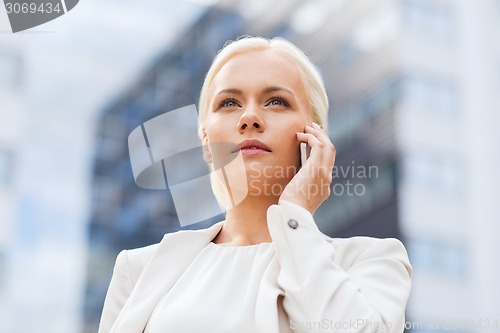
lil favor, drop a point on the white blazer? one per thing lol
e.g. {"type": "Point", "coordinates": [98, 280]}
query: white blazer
{"type": "Point", "coordinates": [357, 284]}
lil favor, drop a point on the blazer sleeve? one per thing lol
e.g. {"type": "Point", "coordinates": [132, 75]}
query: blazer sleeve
{"type": "Point", "coordinates": [119, 290]}
{"type": "Point", "coordinates": [128, 268]}
{"type": "Point", "coordinates": [360, 284]}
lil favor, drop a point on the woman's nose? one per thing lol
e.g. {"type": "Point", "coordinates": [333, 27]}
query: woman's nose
{"type": "Point", "coordinates": [251, 119]}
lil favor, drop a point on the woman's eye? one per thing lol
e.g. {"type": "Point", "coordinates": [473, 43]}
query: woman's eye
{"type": "Point", "coordinates": [277, 101]}
{"type": "Point", "coordinates": [228, 103]}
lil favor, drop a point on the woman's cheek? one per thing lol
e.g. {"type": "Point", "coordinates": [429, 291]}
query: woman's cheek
{"type": "Point", "coordinates": [216, 130]}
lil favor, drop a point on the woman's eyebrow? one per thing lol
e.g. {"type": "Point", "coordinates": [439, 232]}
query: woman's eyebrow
{"type": "Point", "coordinates": [275, 89]}
{"type": "Point", "coordinates": [230, 91]}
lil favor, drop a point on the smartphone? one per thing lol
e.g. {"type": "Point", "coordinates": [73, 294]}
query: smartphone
{"type": "Point", "coordinates": [305, 151]}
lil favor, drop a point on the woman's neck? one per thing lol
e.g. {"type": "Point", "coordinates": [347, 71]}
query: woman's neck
{"type": "Point", "coordinates": [246, 223]}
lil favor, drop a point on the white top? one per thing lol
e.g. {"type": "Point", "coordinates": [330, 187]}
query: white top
{"type": "Point", "coordinates": [226, 278]}
{"type": "Point", "coordinates": [304, 281]}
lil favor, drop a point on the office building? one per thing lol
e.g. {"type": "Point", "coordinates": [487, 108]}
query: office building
{"type": "Point", "coordinates": [12, 115]}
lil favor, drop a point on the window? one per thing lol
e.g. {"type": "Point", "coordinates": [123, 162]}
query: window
{"type": "Point", "coordinates": [432, 170]}
{"type": "Point", "coordinates": [3, 269]}
{"type": "Point", "coordinates": [6, 168]}
{"type": "Point", "coordinates": [435, 94]}
{"type": "Point", "coordinates": [376, 29]}
{"type": "Point", "coordinates": [443, 257]}
{"type": "Point", "coordinates": [283, 31]}
{"type": "Point", "coordinates": [311, 15]}
{"type": "Point", "coordinates": [430, 20]}
{"type": "Point", "coordinates": [346, 52]}
{"type": "Point", "coordinates": [10, 70]}
{"type": "Point", "coordinates": [367, 107]}
{"type": "Point", "coordinates": [371, 186]}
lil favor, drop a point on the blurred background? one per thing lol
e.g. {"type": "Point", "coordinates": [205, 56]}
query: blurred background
{"type": "Point", "coordinates": [413, 86]}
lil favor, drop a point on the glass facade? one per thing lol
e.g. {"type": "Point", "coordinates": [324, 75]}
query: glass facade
{"type": "Point", "coordinates": [11, 67]}
{"type": "Point", "coordinates": [6, 167]}
{"type": "Point", "coordinates": [435, 256]}
{"type": "Point", "coordinates": [429, 19]}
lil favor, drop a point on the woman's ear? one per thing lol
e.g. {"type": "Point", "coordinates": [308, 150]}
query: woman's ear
{"type": "Point", "coordinates": [207, 154]}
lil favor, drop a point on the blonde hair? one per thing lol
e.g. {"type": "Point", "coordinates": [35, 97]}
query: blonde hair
{"type": "Point", "coordinates": [313, 86]}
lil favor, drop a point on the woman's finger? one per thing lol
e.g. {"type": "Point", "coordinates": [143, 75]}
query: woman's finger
{"type": "Point", "coordinates": [316, 145]}
{"type": "Point", "coordinates": [329, 150]}
{"type": "Point", "coordinates": [323, 137]}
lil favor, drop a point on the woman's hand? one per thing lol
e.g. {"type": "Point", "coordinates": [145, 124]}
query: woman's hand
{"type": "Point", "coordinates": [310, 187]}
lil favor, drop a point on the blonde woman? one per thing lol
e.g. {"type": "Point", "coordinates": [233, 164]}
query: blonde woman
{"type": "Point", "coordinates": [266, 267]}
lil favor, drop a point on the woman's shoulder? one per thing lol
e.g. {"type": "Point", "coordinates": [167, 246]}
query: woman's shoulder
{"type": "Point", "coordinates": [142, 253]}
{"type": "Point", "coordinates": [134, 260]}
{"type": "Point", "coordinates": [137, 259]}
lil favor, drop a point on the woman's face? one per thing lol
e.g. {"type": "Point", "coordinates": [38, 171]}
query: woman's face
{"type": "Point", "coordinates": [259, 96]}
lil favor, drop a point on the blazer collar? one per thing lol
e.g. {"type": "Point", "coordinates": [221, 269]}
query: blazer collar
{"type": "Point", "coordinates": [174, 254]}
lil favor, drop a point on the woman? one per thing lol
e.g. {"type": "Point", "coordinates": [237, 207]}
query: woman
{"type": "Point", "coordinates": [266, 267]}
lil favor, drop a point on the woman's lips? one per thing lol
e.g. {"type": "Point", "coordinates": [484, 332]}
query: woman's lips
{"type": "Point", "coordinates": [251, 151]}
{"type": "Point", "coordinates": [252, 147]}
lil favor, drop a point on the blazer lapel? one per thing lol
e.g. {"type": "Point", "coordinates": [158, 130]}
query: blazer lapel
{"type": "Point", "coordinates": [174, 254]}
